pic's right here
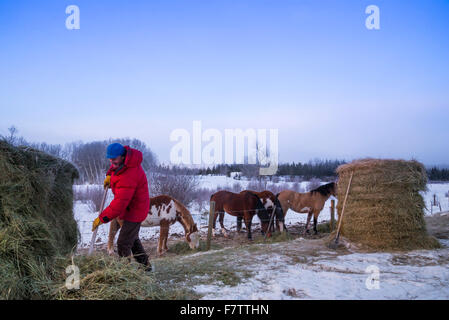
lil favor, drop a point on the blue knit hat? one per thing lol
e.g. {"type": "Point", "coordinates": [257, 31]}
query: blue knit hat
{"type": "Point", "coordinates": [114, 150]}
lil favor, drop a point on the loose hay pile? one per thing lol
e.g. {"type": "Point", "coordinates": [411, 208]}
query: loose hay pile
{"type": "Point", "coordinates": [107, 278]}
{"type": "Point", "coordinates": [36, 220]}
{"type": "Point", "coordinates": [384, 209]}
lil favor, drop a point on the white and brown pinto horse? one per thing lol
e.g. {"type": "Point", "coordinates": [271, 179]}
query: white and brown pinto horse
{"type": "Point", "coordinates": [164, 211]}
{"type": "Point", "coordinates": [311, 202]}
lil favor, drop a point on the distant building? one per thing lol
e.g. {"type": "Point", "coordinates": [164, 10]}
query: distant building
{"type": "Point", "coordinates": [237, 175]}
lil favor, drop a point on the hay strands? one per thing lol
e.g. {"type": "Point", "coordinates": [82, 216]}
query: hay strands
{"type": "Point", "coordinates": [334, 245]}
{"type": "Point", "coordinates": [94, 234]}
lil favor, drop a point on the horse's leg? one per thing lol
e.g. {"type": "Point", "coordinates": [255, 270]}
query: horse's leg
{"type": "Point", "coordinates": [285, 208]}
{"type": "Point", "coordinates": [163, 235]}
{"type": "Point", "coordinates": [223, 230]}
{"type": "Point", "coordinates": [239, 223]}
{"type": "Point", "coordinates": [315, 219]}
{"type": "Point", "coordinates": [248, 220]}
{"type": "Point", "coordinates": [309, 216]}
{"type": "Point", "coordinates": [215, 222]}
{"type": "Point", "coordinates": [159, 243]}
{"type": "Point", "coordinates": [280, 225]}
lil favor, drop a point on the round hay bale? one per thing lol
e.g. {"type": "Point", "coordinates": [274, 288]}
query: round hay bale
{"type": "Point", "coordinates": [384, 209]}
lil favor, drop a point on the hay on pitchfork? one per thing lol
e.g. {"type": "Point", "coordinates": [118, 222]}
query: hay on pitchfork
{"type": "Point", "coordinates": [384, 209]}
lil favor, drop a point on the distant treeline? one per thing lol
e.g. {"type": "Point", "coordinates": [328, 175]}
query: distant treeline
{"type": "Point", "coordinates": [437, 174]}
{"type": "Point", "coordinates": [90, 160]}
{"type": "Point", "coordinates": [322, 169]}
{"type": "Point", "coordinates": [312, 169]}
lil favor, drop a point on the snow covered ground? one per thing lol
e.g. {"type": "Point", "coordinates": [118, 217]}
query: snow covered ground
{"type": "Point", "coordinates": [327, 274]}
{"type": "Point", "coordinates": [84, 214]}
{"type": "Point", "coordinates": [306, 269]}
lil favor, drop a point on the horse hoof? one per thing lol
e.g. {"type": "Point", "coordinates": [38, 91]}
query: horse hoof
{"type": "Point", "coordinates": [111, 252]}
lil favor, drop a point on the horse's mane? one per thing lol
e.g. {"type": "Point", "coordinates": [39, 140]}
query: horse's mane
{"type": "Point", "coordinates": [186, 215]}
{"type": "Point", "coordinates": [325, 189]}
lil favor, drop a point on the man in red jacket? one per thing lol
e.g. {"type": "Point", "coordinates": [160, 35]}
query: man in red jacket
{"type": "Point", "coordinates": [131, 200]}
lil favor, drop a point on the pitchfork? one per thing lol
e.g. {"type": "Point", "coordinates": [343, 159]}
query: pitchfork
{"type": "Point", "coordinates": [94, 234]}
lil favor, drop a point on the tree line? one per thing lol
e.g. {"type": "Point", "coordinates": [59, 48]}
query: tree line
{"type": "Point", "coordinates": [438, 174]}
{"type": "Point", "coordinates": [313, 169]}
{"type": "Point", "coordinates": [89, 158]}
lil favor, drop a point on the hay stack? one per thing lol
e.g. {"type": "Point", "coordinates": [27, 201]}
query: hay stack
{"type": "Point", "coordinates": [384, 209]}
{"type": "Point", "coordinates": [36, 219]}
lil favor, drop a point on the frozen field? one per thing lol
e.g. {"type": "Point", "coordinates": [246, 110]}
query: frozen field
{"type": "Point", "coordinates": [306, 269]}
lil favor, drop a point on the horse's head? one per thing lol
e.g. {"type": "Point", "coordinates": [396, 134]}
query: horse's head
{"type": "Point", "coordinates": [193, 238]}
{"type": "Point", "coordinates": [326, 190]}
{"type": "Point", "coordinates": [264, 216]}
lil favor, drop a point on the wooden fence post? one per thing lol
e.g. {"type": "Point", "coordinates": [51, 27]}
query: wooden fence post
{"type": "Point", "coordinates": [211, 223]}
{"type": "Point", "coordinates": [332, 208]}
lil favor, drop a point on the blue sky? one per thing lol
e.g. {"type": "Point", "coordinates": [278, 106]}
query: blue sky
{"type": "Point", "coordinates": [311, 69]}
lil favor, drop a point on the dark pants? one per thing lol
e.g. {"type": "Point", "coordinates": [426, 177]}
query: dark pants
{"type": "Point", "coordinates": [128, 242]}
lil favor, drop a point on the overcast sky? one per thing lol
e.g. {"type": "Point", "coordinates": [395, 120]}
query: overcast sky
{"type": "Point", "coordinates": [311, 69]}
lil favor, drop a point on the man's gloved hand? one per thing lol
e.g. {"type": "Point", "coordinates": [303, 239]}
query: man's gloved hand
{"type": "Point", "coordinates": [96, 223]}
{"type": "Point", "coordinates": [107, 182]}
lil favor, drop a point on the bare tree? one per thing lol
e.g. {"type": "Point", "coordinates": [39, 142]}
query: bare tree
{"type": "Point", "coordinates": [12, 137]}
{"type": "Point", "coordinates": [179, 186]}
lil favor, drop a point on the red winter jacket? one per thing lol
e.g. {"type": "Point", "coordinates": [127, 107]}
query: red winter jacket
{"type": "Point", "coordinates": [130, 188]}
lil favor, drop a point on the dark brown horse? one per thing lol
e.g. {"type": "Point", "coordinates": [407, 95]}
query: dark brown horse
{"type": "Point", "coordinates": [270, 202]}
{"type": "Point", "coordinates": [311, 202]}
{"type": "Point", "coordinates": [245, 204]}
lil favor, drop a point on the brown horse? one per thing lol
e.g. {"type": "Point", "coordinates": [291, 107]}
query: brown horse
{"type": "Point", "coordinates": [164, 211]}
{"type": "Point", "coordinates": [311, 202]}
{"type": "Point", "coordinates": [270, 202]}
{"type": "Point", "coordinates": [244, 204]}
